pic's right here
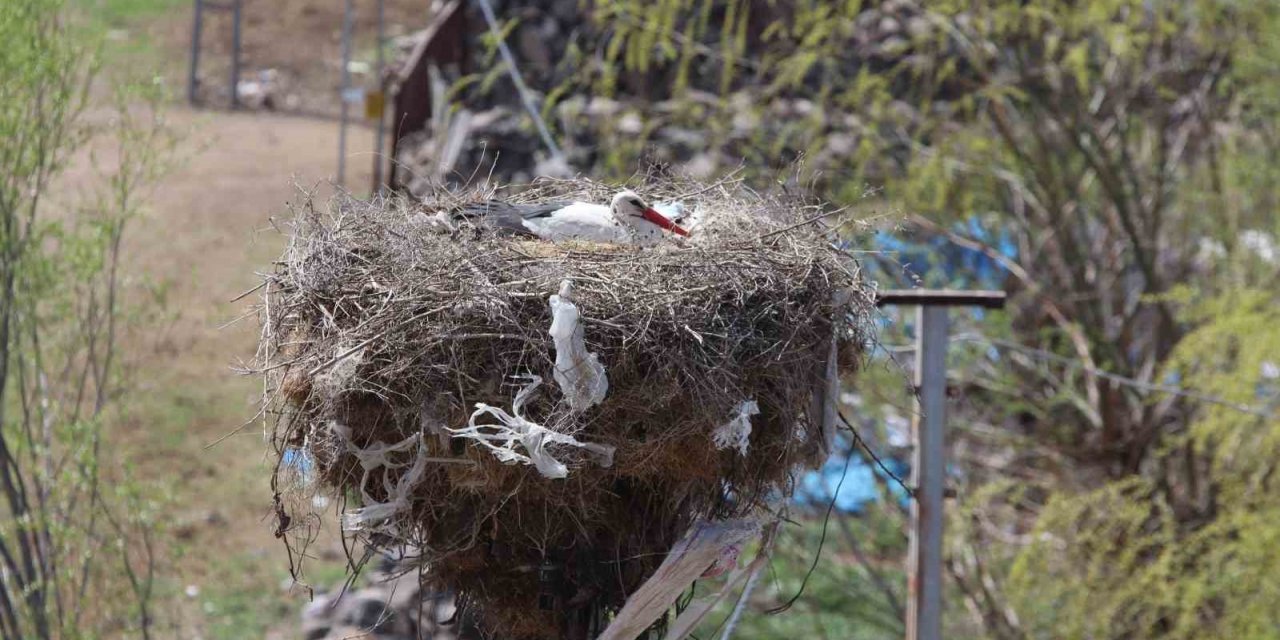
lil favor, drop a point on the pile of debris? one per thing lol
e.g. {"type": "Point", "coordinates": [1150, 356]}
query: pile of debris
{"type": "Point", "coordinates": [501, 143]}
{"type": "Point", "coordinates": [392, 606]}
{"type": "Point", "coordinates": [485, 133]}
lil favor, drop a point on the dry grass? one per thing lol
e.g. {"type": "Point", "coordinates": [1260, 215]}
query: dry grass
{"type": "Point", "coordinates": [381, 330]}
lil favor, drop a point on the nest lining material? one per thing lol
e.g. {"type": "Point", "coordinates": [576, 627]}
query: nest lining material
{"type": "Point", "coordinates": [384, 332]}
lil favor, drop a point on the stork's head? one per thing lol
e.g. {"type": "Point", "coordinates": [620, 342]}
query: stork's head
{"type": "Point", "coordinates": [629, 209]}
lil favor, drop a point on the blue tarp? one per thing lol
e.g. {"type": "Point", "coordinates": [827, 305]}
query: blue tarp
{"type": "Point", "coordinates": [935, 261]}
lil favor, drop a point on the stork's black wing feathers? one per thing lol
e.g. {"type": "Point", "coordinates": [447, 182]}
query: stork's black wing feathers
{"type": "Point", "coordinates": [507, 216]}
{"type": "Point", "coordinates": [499, 208]}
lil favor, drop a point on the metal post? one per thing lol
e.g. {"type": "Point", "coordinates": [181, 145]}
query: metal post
{"type": "Point", "coordinates": [929, 464]}
{"type": "Point", "coordinates": [195, 51]}
{"type": "Point", "coordinates": [235, 53]}
{"type": "Point", "coordinates": [379, 144]}
{"type": "Point", "coordinates": [924, 573]}
{"type": "Point", "coordinates": [346, 86]}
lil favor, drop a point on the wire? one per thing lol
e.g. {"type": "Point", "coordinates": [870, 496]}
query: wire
{"type": "Point", "coordinates": [857, 437]}
{"type": "Point", "coordinates": [821, 542]}
{"type": "Point", "coordinates": [526, 96]}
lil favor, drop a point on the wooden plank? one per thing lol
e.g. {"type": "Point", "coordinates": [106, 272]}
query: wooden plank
{"type": "Point", "coordinates": [686, 561]}
{"type": "Point", "coordinates": [443, 44]}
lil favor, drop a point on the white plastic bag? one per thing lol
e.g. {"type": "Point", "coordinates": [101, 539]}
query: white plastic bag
{"type": "Point", "coordinates": [581, 377]}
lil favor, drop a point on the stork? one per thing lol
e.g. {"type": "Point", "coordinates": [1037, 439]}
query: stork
{"type": "Point", "coordinates": [627, 220]}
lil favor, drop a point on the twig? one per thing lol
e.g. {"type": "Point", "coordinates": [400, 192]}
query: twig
{"type": "Point", "coordinates": [246, 293]}
{"type": "Point", "coordinates": [364, 343]}
{"type": "Point", "coordinates": [803, 223]}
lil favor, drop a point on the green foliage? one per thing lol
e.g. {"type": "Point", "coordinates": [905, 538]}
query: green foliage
{"type": "Point", "coordinates": [1130, 152]}
{"type": "Point", "coordinates": [118, 26]}
{"type": "Point", "coordinates": [77, 536]}
{"type": "Point", "coordinates": [121, 13]}
{"type": "Point", "coordinates": [1119, 561]}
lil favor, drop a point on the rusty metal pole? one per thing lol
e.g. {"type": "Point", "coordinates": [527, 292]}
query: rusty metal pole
{"type": "Point", "coordinates": [928, 466]}
{"type": "Point", "coordinates": [928, 435]}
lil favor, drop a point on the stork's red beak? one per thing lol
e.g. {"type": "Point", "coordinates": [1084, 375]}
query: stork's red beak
{"type": "Point", "coordinates": [662, 221]}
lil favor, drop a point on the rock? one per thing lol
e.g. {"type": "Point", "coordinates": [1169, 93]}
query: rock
{"type": "Point", "coordinates": [702, 97]}
{"type": "Point", "coordinates": [841, 145]}
{"type": "Point", "coordinates": [742, 101]}
{"type": "Point", "coordinates": [905, 111]}
{"type": "Point", "coordinates": [260, 91]}
{"type": "Point", "coordinates": [701, 167]}
{"type": "Point", "coordinates": [316, 630]}
{"type": "Point", "coordinates": [745, 121]}
{"type": "Point", "coordinates": [918, 27]}
{"type": "Point", "coordinates": [571, 107]}
{"type": "Point", "coordinates": [888, 26]}
{"type": "Point", "coordinates": [317, 618]}
{"type": "Point", "coordinates": [368, 610]}
{"type": "Point", "coordinates": [683, 137]}
{"type": "Point", "coordinates": [348, 633]}
{"type": "Point", "coordinates": [393, 606]}
{"type": "Point", "coordinates": [404, 594]}
{"type": "Point", "coordinates": [630, 124]}
{"type": "Point", "coordinates": [601, 107]}
{"type": "Point", "coordinates": [553, 168]}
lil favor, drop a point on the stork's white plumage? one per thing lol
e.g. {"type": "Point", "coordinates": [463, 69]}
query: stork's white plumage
{"type": "Point", "coordinates": [627, 220]}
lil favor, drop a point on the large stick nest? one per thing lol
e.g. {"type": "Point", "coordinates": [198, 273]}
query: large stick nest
{"type": "Point", "coordinates": [382, 331]}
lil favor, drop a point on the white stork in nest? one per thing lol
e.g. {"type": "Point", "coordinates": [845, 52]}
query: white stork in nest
{"type": "Point", "coordinates": [627, 220]}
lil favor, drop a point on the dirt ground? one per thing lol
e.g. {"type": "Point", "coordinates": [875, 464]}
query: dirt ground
{"type": "Point", "coordinates": [299, 39]}
{"type": "Point", "coordinates": [206, 229]}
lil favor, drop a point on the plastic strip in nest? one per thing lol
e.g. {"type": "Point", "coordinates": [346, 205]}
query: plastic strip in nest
{"type": "Point", "coordinates": [514, 430]}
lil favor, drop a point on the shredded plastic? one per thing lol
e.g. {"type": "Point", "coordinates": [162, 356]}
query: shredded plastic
{"type": "Point", "coordinates": [736, 433]}
{"type": "Point", "coordinates": [581, 377]}
{"type": "Point", "coordinates": [397, 486]}
{"type": "Point", "coordinates": [513, 430]}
